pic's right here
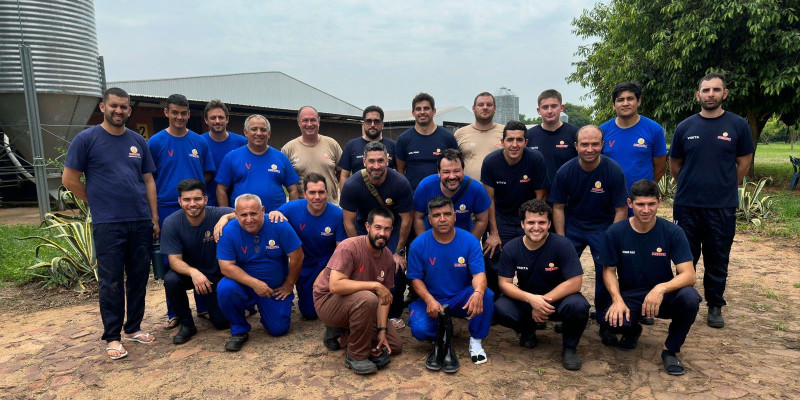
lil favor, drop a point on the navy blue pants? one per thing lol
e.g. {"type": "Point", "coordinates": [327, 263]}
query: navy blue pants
{"type": "Point", "coordinates": [176, 286]}
{"type": "Point", "coordinates": [680, 306]}
{"type": "Point", "coordinates": [423, 327]}
{"type": "Point", "coordinates": [400, 281]}
{"type": "Point", "coordinates": [163, 213]}
{"type": "Point", "coordinates": [594, 240]}
{"type": "Point", "coordinates": [572, 310]}
{"type": "Point", "coordinates": [508, 228]}
{"type": "Point", "coordinates": [710, 231]}
{"type": "Point", "coordinates": [123, 250]}
{"type": "Point", "coordinates": [235, 298]}
{"type": "Point", "coordinates": [305, 289]}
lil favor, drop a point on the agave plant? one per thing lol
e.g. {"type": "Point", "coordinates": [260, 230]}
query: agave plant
{"type": "Point", "coordinates": [752, 206]}
{"type": "Point", "coordinates": [667, 186]}
{"type": "Point", "coordinates": [71, 237]}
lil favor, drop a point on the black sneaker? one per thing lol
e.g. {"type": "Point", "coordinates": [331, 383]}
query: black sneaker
{"type": "Point", "coordinates": [235, 342]}
{"type": "Point", "coordinates": [570, 359]}
{"type": "Point", "coordinates": [381, 360]}
{"type": "Point", "coordinates": [607, 337]}
{"type": "Point", "coordinates": [360, 367]}
{"type": "Point", "coordinates": [630, 339]}
{"type": "Point", "coordinates": [184, 334]}
{"type": "Point", "coordinates": [528, 340]}
{"type": "Point", "coordinates": [715, 319]}
{"type": "Point", "coordinates": [558, 328]}
{"type": "Point", "coordinates": [331, 338]}
{"type": "Point", "coordinates": [647, 321]}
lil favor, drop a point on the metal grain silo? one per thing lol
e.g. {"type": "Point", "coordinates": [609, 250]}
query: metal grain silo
{"type": "Point", "coordinates": [507, 106]}
{"type": "Point", "coordinates": [63, 42]}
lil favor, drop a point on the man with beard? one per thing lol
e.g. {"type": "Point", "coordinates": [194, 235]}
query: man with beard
{"type": "Point", "coordinates": [553, 138]}
{"type": "Point", "coordinates": [116, 160]}
{"type": "Point", "coordinates": [480, 138]}
{"type": "Point", "coordinates": [352, 159]}
{"type": "Point", "coordinates": [220, 141]}
{"type": "Point", "coordinates": [188, 241]}
{"type": "Point", "coordinates": [378, 186]}
{"type": "Point", "coordinates": [469, 197]}
{"type": "Point", "coordinates": [353, 294]}
{"type": "Point", "coordinates": [710, 154]}
{"type": "Point", "coordinates": [418, 147]}
{"type": "Point", "coordinates": [261, 263]}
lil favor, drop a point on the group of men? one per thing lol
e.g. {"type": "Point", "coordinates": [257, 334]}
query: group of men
{"type": "Point", "coordinates": [459, 218]}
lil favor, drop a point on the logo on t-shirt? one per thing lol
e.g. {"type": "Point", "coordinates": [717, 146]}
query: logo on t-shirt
{"type": "Point", "coordinates": [522, 268]}
{"type": "Point", "coordinates": [194, 154]}
{"type": "Point", "coordinates": [658, 253]}
{"type": "Point", "coordinates": [561, 145]}
{"type": "Point", "coordinates": [524, 179]}
{"type": "Point", "coordinates": [326, 157]}
{"type": "Point", "coordinates": [327, 231]}
{"type": "Point", "coordinates": [628, 251]}
{"type": "Point", "coordinates": [462, 209]}
{"type": "Point", "coordinates": [598, 188]}
{"type": "Point", "coordinates": [640, 143]}
{"type": "Point", "coordinates": [724, 137]}
{"type": "Point", "coordinates": [274, 168]}
{"type": "Point", "coordinates": [389, 201]}
{"type": "Point", "coordinates": [380, 278]}
{"type": "Point", "coordinates": [271, 245]}
{"type": "Point", "coordinates": [437, 152]}
{"type": "Point", "coordinates": [461, 263]}
{"type": "Point", "coordinates": [207, 237]}
{"type": "Point", "coordinates": [134, 153]}
{"type": "Point", "coordinates": [551, 267]}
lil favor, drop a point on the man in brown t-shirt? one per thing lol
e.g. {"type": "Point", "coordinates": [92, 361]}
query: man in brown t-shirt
{"type": "Point", "coordinates": [352, 293]}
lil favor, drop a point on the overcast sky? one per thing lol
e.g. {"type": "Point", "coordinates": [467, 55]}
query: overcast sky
{"type": "Point", "coordinates": [363, 52]}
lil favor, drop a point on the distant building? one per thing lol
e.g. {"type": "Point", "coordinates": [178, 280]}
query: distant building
{"type": "Point", "coordinates": [451, 118]}
{"type": "Point", "coordinates": [507, 106]}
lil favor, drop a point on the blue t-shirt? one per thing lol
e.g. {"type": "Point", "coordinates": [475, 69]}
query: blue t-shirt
{"type": "Point", "coordinates": [557, 146]}
{"type": "Point", "coordinates": [218, 152]}
{"type": "Point", "coordinates": [395, 192]}
{"type": "Point", "coordinates": [176, 159]}
{"type": "Point", "coordinates": [473, 200]}
{"type": "Point", "coordinates": [514, 184]}
{"type": "Point", "coordinates": [708, 148]}
{"type": "Point", "coordinates": [318, 234]}
{"type": "Point", "coordinates": [113, 167]}
{"type": "Point", "coordinates": [261, 174]}
{"type": "Point", "coordinates": [540, 271]}
{"type": "Point", "coordinates": [634, 148]}
{"type": "Point", "coordinates": [263, 256]}
{"type": "Point", "coordinates": [643, 259]}
{"type": "Point", "coordinates": [195, 244]}
{"type": "Point", "coordinates": [446, 269]}
{"type": "Point", "coordinates": [590, 197]}
{"type": "Point", "coordinates": [353, 154]}
{"type": "Point", "coordinates": [420, 152]}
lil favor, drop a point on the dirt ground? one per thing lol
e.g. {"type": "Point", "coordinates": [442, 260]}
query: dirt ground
{"type": "Point", "coordinates": [51, 348]}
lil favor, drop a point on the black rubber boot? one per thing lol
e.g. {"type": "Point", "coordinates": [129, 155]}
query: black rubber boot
{"type": "Point", "coordinates": [450, 361]}
{"type": "Point", "coordinates": [434, 361]}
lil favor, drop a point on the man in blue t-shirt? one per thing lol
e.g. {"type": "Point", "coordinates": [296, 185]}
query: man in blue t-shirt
{"type": "Point", "coordinates": [220, 141]}
{"type": "Point", "coordinates": [445, 266]}
{"type": "Point", "coordinates": [115, 160]}
{"type": "Point", "coordinates": [179, 154]}
{"type": "Point", "coordinates": [554, 138]}
{"type": "Point", "coordinates": [469, 197]}
{"type": "Point", "coordinates": [638, 275]}
{"type": "Point", "coordinates": [710, 154]}
{"type": "Point", "coordinates": [588, 195]}
{"type": "Point", "coordinates": [319, 226]}
{"type": "Point", "coordinates": [188, 240]}
{"type": "Point", "coordinates": [257, 168]}
{"type": "Point", "coordinates": [549, 276]}
{"type": "Point", "coordinates": [352, 159]}
{"type": "Point", "coordinates": [261, 262]}
{"type": "Point", "coordinates": [418, 147]}
{"type": "Point", "coordinates": [635, 142]}
{"type": "Point", "coordinates": [378, 186]}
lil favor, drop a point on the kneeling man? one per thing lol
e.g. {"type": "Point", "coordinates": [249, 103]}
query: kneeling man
{"type": "Point", "coordinates": [352, 293]}
{"type": "Point", "coordinates": [445, 266]}
{"type": "Point", "coordinates": [549, 275]}
{"type": "Point", "coordinates": [261, 263]}
{"type": "Point", "coordinates": [638, 275]}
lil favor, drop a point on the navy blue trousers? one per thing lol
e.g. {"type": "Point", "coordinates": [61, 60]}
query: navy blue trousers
{"type": "Point", "coordinates": [572, 310]}
{"type": "Point", "coordinates": [594, 240]}
{"type": "Point", "coordinates": [176, 286]}
{"type": "Point", "coordinates": [163, 213]}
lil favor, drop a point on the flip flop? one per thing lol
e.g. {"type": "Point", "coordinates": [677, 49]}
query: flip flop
{"type": "Point", "coordinates": [172, 323]}
{"type": "Point", "coordinates": [397, 323]}
{"type": "Point", "coordinates": [672, 365]}
{"type": "Point", "coordinates": [119, 349]}
{"type": "Point", "coordinates": [137, 338]}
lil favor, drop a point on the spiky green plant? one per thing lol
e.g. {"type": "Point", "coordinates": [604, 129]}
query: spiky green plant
{"type": "Point", "coordinates": [752, 206]}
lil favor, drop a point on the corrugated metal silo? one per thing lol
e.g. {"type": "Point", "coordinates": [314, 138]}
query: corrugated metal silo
{"type": "Point", "coordinates": [507, 106]}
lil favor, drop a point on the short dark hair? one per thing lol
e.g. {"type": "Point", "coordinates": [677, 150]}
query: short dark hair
{"type": "Point", "coordinates": [634, 87]}
{"type": "Point", "coordinates": [372, 109]}
{"type": "Point", "coordinates": [549, 94]}
{"type": "Point", "coordinates": [422, 97]}
{"type": "Point", "coordinates": [587, 127]}
{"type": "Point", "coordinates": [313, 177]}
{"type": "Point", "coordinates": [483, 94]}
{"type": "Point", "coordinates": [451, 155]}
{"type": "Point", "coordinates": [187, 185]}
{"type": "Point", "coordinates": [713, 75]}
{"type": "Point", "coordinates": [645, 188]}
{"type": "Point", "coordinates": [178, 100]}
{"type": "Point", "coordinates": [535, 206]}
{"type": "Point", "coordinates": [514, 125]}
{"type": "Point", "coordinates": [119, 92]}
{"type": "Point", "coordinates": [379, 212]}
{"type": "Point", "coordinates": [299, 110]}
{"type": "Point", "coordinates": [374, 146]}
{"type": "Point", "coordinates": [439, 201]}
{"type": "Point", "coordinates": [215, 104]}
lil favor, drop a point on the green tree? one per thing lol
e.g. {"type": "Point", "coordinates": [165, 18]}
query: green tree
{"type": "Point", "coordinates": [529, 121]}
{"type": "Point", "coordinates": [578, 115]}
{"type": "Point", "coordinates": [668, 46]}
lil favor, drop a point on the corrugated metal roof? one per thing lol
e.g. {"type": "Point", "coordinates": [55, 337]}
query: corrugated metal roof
{"type": "Point", "coordinates": [450, 114]}
{"type": "Point", "coordinates": [272, 89]}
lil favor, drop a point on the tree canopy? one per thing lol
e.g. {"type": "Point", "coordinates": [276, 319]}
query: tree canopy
{"type": "Point", "coordinates": [667, 46]}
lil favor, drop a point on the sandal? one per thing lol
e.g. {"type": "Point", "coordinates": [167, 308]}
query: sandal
{"type": "Point", "coordinates": [397, 323]}
{"type": "Point", "coordinates": [204, 315]}
{"type": "Point", "coordinates": [145, 338]}
{"type": "Point", "coordinates": [121, 352]}
{"type": "Point", "coordinates": [172, 323]}
{"type": "Point", "coordinates": [672, 365]}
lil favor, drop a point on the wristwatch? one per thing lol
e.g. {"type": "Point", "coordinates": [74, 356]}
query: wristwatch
{"type": "Point", "coordinates": [401, 252]}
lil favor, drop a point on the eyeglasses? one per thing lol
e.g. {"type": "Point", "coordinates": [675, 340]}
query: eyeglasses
{"type": "Point", "coordinates": [372, 122]}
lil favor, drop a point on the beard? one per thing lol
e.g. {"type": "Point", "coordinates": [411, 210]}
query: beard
{"type": "Point", "coordinates": [371, 135]}
{"type": "Point", "coordinates": [374, 239]}
{"type": "Point", "coordinates": [711, 107]}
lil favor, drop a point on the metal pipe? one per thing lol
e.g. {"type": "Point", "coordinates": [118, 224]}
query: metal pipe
{"type": "Point", "coordinates": [32, 107]}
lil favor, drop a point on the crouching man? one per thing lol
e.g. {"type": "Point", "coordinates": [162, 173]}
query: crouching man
{"type": "Point", "coordinates": [638, 275]}
{"type": "Point", "coordinates": [353, 293]}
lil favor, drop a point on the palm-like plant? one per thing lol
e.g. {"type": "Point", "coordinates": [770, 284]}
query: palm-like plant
{"type": "Point", "coordinates": [752, 206]}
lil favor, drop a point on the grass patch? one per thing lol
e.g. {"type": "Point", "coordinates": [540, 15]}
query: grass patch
{"type": "Point", "coordinates": [780, 326]}
{"type": "Point", "coordinates": [761, 307]}
{"type": "Point", "coordinates": [539, 371]}
{"type": "Point", "coordinates": [772, 295]}
{"type": "Point", "coordinates": [773, 160]}
{"type": "Point", "coordinates": [16, 255]}
{"type": "Point", "coordinates": [796, 285]}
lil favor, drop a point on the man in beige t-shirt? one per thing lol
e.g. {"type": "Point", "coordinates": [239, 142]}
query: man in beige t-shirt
{"type": "Point", "coordinates": [479, 139]}
{"type": "Point", "coordinates": [312, 152]}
